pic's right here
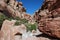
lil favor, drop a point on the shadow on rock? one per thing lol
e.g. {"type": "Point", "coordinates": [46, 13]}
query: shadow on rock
{"type": "Point", "coordinates": [47, 36]}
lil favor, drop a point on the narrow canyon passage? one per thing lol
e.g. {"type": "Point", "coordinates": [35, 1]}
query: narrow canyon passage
{"type": "Point", "coordinates": [16, 24]}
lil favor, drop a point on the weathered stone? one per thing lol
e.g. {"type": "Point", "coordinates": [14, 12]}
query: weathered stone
{"type": "Point", "coordinates": [20, 3]}
{"type": "Point", "coordinates": [10, 31]}
{"type": "Point", "coordinates": [27, 16]}
{"type": "Point", "coordinates": [36, 38]}
{"type": "Point", "coordinates": [32, 38]}
{"type": "Point", "coordinates": [6, 29]}
{"type": "Point", "coordinates": [12, 7]}
{"type": "Point", "coordinates": [2, 5]}
{"type": "Point", "coordinates": [11, 2]}
{"type": "Point", "coordinates": [16, 3]}
{"type": "Point", "coordinates": [1, 35]}
{"type": "Point", "coordinates": [42, 38]}
{"type": "Point", "coordinates": [48, 18]}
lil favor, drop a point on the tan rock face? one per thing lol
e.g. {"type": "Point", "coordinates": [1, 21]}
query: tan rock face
{"type": "Point", "coordinates": [9, 31]}
{"type": "Point", "coordinates": [6, 29]}
{"type": "Point", "coordinates": [49, 20]}
{"type": "Point", "coordinates": [1, 35]}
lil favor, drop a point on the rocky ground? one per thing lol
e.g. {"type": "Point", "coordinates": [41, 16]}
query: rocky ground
{"type": "Point", "coordinates": [38, 37]}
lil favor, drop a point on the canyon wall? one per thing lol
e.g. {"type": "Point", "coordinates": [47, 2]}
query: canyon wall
{"type": "Point", "coordinates": [48, 18]}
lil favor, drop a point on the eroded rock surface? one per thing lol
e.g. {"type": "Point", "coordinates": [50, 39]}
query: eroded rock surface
{"type": "Point", "coordinates": [12, 8]}
{"type": "Point", "coordinates": [48, 18]}
{"type": "Point", "coordinates": [9, 31]}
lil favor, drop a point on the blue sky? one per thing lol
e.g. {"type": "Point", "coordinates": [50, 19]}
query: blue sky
{"type": "Point", "coordinates": [32, 5]}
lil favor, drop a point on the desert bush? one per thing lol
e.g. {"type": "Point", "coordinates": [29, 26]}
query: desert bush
{"type": "Point", "coordinates": [31, 27]}
{"type": "Point", "coordinates": [2, 18]}
{"type": "Point", "coordinates": [20, 21]}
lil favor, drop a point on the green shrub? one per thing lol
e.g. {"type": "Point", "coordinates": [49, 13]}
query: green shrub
{"type": "Point", "coordinates": [2, 18]}
{"type": "Point", "coordinates": [31, 27]}
{"type": "Point", "coordinates": [20, 21]}
{"type": "Point", "coordinates": [24, 21]}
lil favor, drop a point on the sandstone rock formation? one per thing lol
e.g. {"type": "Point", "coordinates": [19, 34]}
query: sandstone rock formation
{"type": "Point", "coordinates": [48, 18]}
{"type": "Point", "coordinates": [9, 31]}
{"type": "Point", "coordinates": [12, 8]}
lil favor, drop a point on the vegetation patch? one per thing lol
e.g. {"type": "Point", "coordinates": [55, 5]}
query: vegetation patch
{"type": "Point", "coordinates": [31, 27]}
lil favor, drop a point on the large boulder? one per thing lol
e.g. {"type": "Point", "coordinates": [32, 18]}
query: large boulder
{"type": "Point", "coordinates": [9, 31]}
{"type": "Point", "coordinates": [6, 29]}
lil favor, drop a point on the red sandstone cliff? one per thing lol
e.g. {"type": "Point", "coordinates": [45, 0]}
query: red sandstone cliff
{"type": "Point", "coordinates": [48, 18]}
